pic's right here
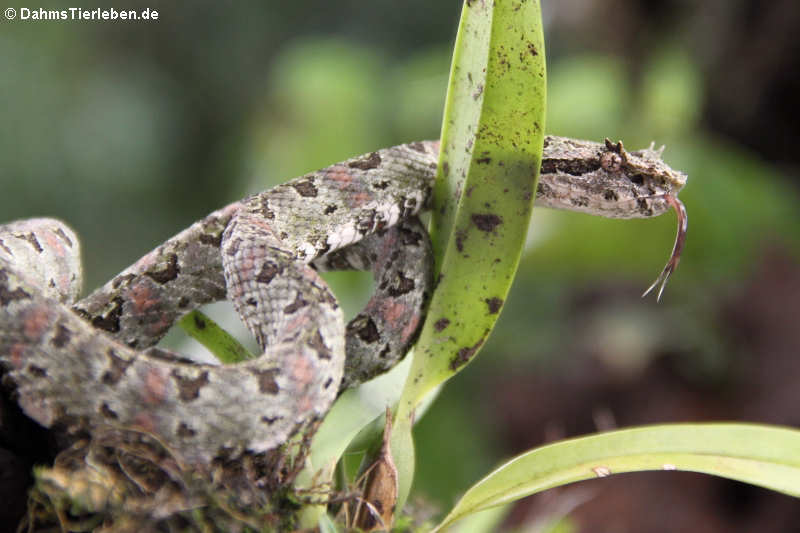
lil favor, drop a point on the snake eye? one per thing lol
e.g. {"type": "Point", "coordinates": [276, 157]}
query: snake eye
{"type": "Point", "coordinates": [611, 162]}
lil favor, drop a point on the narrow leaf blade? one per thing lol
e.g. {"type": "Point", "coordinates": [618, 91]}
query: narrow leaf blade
{"type": "Point", "coordinates": [491, 151]}
{"type": "Point", "coordinates": [767, 456]}
{"type": "Point", "coordinates": [219, 342]}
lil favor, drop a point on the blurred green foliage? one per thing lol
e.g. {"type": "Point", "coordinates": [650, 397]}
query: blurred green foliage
{"type": "Point", "coordinates": [129, 133]}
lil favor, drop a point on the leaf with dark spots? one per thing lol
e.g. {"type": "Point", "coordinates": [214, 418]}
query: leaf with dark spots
{"type": "Point", "coordinates": [494, 304]}
{"type": "Point", "coordinates": [373, 160]}
{"type": "Point", "coordinates": [62, 336]}
{"type": "Point", "coordinates": [465, 354]}
{"type": "Point", "coordinates": [116, 368]}
{"type": "Point", "coordinates": [483, 160]}
{"type": "Point", "coordinates": [461, 235]}
{"type": "Point", "coordinates": [199, 323]}
{"type": "Point", "coordinates": [487, 222]}
{"type": "Point", "coordinates": [401, 285]}
{"type": "Point", "coordinates": [441, 324]}
{"type": "Point", "coordinates": [266, 380]}
{"type": "Point", "coordinates": [305, 188]}
{"type": "Point", "coordinates": [268, 271]}
{"type": "Point", "coordinates": [478, 91]}
{"type": "Point", "coordinates": [168, 273]}
{"type": "Point", "coordinates": [189, 388]}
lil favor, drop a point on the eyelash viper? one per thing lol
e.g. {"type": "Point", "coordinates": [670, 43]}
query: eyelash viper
{"type": "Point", "coordinates": [92, 362]}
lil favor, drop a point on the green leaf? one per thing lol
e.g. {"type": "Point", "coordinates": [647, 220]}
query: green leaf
{"type": "Point", "coordinates": [482, 522]}
{"type": "Point", "coordinates": [219, 342]}
{"type": "Point", "coordinates": [767, 456]}
{"type": "Point", "coordinates": [491, 151]}
{"type": "Point", "coordinates": [327, 525]}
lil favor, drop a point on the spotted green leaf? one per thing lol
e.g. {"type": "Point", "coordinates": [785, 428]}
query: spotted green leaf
{"type": "Point", "coordinates": [491, 150]}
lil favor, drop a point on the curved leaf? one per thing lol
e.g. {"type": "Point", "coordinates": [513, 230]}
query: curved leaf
{"type": "Point", "coordinates": [492, 135]}
{"type": "Point", "coordinates": [767, 456]}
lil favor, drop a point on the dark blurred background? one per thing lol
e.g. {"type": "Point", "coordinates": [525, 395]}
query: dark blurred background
{"type": "Point", "coordinates": [131, 131]}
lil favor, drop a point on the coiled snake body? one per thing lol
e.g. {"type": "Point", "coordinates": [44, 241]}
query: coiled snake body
{"type": "Point", "coordinates": [90, 363]}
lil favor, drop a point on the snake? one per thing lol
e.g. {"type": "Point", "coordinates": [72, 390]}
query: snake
{"type": "Point", "coordinates": [79, 365]}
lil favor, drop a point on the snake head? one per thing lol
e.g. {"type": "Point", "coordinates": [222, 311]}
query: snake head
{"type": "Point", "coordinates": [605, 179]}
{"type": "Point", "coordinates": [645, 168]}
{"type": "Point", "coordinates": [641, 177]}
{"type": "Point", "coordinates": [648, 165]}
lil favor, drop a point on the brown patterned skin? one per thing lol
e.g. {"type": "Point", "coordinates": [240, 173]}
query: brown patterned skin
{"type": "Point", "coordinates": [263, 253]}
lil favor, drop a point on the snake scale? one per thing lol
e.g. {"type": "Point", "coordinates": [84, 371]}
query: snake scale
{"type": "Point", "coordinates": [88, 364]}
